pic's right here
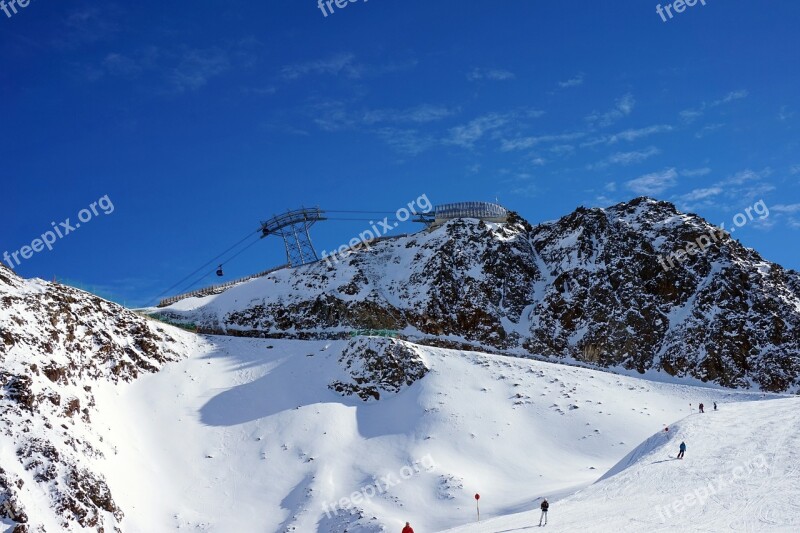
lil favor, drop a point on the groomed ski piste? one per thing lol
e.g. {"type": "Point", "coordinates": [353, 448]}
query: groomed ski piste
{"type": "Point", "coordinates": [740, 473]}
{"type": "Point", "coordinates": [247, 436]}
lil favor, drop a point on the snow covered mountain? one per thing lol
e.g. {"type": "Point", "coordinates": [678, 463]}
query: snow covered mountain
{"type": "Point", "coordinates": [112, 422]}
{"type": "Point", "coordinates": [56, 345]}
{"type": "Point", "coordinates": [591, 287]}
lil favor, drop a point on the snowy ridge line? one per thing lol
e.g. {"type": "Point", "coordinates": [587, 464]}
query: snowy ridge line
{"type": "Point", "coordinates": [586, 288]}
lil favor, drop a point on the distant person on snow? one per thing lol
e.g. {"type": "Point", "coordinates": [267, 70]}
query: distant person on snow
{"type": "Point", "coordinates": [545, 506]}
{"type": "Point", "coordinates": [701, 408]}
{"type": "Point", "coordinates": [408, 529]}
{"type": "Point", "coordinates": [715, 406]}
{"type": "Point", "coordinates": [682, 450]}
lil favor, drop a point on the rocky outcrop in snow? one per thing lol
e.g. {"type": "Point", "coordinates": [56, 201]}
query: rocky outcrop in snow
{"type": "Point", "coordinates": [55, 343]}
{"type": "Point", "coordinates": [379, 365]}
{"type": "Point", "coordinates": [588, 287]}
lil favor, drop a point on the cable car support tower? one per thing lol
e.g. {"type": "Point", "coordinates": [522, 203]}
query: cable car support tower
{"type": "Point", "coordinates": [293, 227]}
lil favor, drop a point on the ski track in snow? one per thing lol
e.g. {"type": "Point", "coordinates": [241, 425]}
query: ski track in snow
{"type": "Point", "coordinates": [246, 436]}
{"type": "Point", "coordinates": [742, 462]}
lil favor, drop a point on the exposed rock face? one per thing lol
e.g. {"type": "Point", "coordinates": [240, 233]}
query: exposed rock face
{"type": "Point", "coordinates": [379, 365]}
{"type": "Point", "coordinates": [55, 342]}
{"type": "Point", "coordinates": [588, 287]}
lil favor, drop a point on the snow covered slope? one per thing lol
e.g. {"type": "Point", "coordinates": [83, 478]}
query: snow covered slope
{"type": "Point", "coordinates": [56, 345]}
{"type": "Point", "coordinates": [110, 420]}
{"type": "Point", "coordinates": [741, 473]}
{"type": "Point", "coordinates": [589, 287]}
{"type": "Point", "coordinates": [252, 436]}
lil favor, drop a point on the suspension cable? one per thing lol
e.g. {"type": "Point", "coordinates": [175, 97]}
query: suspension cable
{"type": "Point", "coordinates": [215, 258]}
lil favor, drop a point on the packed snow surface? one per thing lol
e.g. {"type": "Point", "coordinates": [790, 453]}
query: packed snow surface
{"type": "Point", "coordinates": [247, 436]}
{"type": "Point", "coordinates": [741, 472]}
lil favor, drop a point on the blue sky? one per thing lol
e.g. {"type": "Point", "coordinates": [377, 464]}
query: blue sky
{"type": "Point", "coordinates": [198, 121]}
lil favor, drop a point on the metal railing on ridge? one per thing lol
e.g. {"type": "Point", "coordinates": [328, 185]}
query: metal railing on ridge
{"type": "Point", "coordinates": [215, 289]}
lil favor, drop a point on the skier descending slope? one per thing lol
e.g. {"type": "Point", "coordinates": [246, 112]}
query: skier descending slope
{"type": "Point", "coordinates": [408, 529]}
{"type": "Point", "coordinates": [545, 506]}
{"type": "Point", "coordinates": [682, 450]}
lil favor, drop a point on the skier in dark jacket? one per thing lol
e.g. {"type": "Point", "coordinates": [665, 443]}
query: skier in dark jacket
{"type": "Point", "coordinates": [701, 408]}
{"type": "Point", "coordinates": [408, 529]}
{"type": "Point", "coordinates": [545, 506]}
{"type": "Point", "coordinates": [715, 406]}
{"type": "Point", "coordinates": [682, 450]}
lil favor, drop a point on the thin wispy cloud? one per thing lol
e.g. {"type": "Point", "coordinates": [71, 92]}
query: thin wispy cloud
{"type": "Point", "coordinates": [562, 149]}
{"type": "Point", "coordinates": [708, 130]}
{"type": "Point", "coordinates": [495, 74]}
{"type": "Point", "coordinates": [468, 134]}
{"type": "Point", "coordinates": [788, 213]}
{"type": "Point", "coordinates": [730, 97]}
{"type": "Point", "coordinates": [491, 125]}
{"type": "Point", "coordinates": [655, 183]}
{"type": "Point", "coordinates": [197, 67]}
{"type": "Point", "coordinates": [700, 194]}
{"type": "Point", "coordinates": [406, 141]}
{"type": "Point", "coordinates": [420, 114]}
{"type": "Point", "coordinates": [120, 65]}
{"type": "Point", "coordinates": [784, 114]}
{"type": "Point", "coordinates": [747, 176]}
{"type": "Point", "coordinates": [260, 91]}
{"type": "Point", "coordinates": [87, 25]}
{"type": "Point", "coordinates": [622, 108]}
{"type": "Point", "coordinates": [572, 82]}
{"type": "Point", "coordinates": [626, 158]}
{"type": "Point", "coordinates": [688, 116]}
{"type": "Point", "coordinates": [530, 190]}
{"type": "Point", "coordinates": [628, 135]}
{"type": "Point", "coordinates": [786, 208]}
{"type": "Point", "coordinates": [335, 115]}
{"type": "Point", "coordinates": [340, 64]}
{"type": "Point", "coordinates": [745, 185]}
{"type": "Point", "coordinates": [180, 69]}
{"type": "Point", "coordinates": [696, 172]}
{"type": "Point", "coordinates": [392, 125]}
{"type": "Point", "coordinates": [523, 143]}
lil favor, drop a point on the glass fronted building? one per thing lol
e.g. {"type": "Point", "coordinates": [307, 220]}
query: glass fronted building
{"type": "Point", "coordinates": [480, 210]}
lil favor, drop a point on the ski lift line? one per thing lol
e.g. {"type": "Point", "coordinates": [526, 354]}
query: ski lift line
{"type": "Point", "coordinates": [249, 235]}
{"type": "Point", "coordinates": [360, 219]}
{"type": "Point", "coordinates": [213, 260]}
{"type": "Point", "coordinates": [260, 230]}
{"type": "Point", "coordinates": [214, 270]}
{"type": "Point", "coordinates": [367, 212]}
